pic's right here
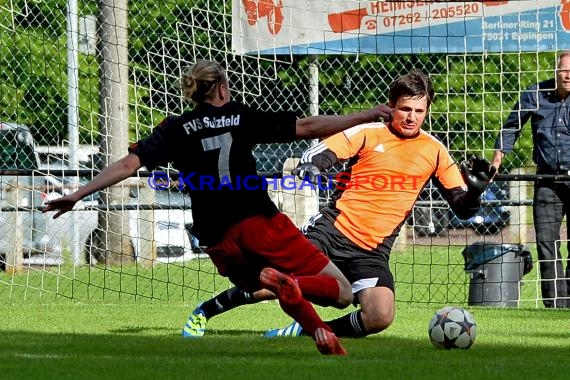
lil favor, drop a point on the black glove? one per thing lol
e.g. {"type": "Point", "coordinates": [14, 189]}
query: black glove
{"type": "Point", "coordinates": [477, 173]}
{"type": "Point", "coordinates": [307, 172]}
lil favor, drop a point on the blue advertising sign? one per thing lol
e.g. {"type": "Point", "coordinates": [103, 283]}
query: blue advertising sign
{"type": "Point", "coordinates": [403, 27]}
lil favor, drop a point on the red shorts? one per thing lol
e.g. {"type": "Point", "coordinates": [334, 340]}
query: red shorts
{"type": "Point", "coordinates": [260, 241]}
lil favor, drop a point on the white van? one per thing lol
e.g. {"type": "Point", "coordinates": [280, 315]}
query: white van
{"type": "Point", "coordinates": [172, 225]}
{"type": "Point", "coordinates": [172, 216]}
{"type": "Point", "coordinates": [22, 226]}
{"type": "Point", "coordinates": [57, 156]}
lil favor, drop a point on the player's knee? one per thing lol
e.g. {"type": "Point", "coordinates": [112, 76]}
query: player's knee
{"type": "Point", "coordinates": [378, 325]}
{"type": "Point", "coordinates": [263, 295]}
{"type": "Point", "coordinates": [378, 320]}
{"type": "Point", "coordinates": [345, 296]}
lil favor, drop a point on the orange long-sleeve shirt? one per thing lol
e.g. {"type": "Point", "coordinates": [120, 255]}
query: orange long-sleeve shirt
{"type": "Point", "coordinates": [385, 176]}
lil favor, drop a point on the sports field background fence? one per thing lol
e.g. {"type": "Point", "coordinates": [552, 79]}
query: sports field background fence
{"type": "Point", "coordinates": [98, 75]}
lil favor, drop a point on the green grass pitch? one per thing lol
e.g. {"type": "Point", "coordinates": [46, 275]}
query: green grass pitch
{"type": "Point", "coordinates": [125, 323]}
{"type": "Point", "coordinates": [71, 340]}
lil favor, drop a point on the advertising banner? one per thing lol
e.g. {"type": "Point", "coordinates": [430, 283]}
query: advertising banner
{"type": "Point", "coordinates": [398, 27]}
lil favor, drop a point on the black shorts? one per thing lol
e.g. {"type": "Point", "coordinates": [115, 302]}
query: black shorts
{"type": "Point", "coordinates": [363, 269]}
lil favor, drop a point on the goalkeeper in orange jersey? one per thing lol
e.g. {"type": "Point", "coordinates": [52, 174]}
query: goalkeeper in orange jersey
{"type": "Point", "coordinates": [388, 166]}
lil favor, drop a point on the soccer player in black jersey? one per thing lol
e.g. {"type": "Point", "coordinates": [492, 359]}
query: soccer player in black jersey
{"type": "Point", "coordinates": [248, 239]}
{"type": "Point", "coordinates": [388, 165]}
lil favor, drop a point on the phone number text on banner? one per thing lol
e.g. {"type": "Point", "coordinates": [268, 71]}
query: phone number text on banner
{"type": "Point", "coordinates": [379, 27]}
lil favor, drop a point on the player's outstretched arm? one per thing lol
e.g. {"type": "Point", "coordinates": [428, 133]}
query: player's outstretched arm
{"type": "Point", "coordinates": [114, 173]}
{"type": "Point", "coordinates": [326, 125]}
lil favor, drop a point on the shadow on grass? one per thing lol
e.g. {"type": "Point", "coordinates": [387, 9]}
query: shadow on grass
{"type": "Point", "coordinates": [237, 354]}
{"type": "Point", "coordinates": [139, 329]}
{"type": "Point", "coordinates": [129, 330]}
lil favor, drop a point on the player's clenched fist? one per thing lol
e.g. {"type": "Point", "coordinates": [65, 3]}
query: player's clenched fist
{"type": "Point", "coordinates": [307, 172]}
{"type": "Point", "coordinates": [384, 112]}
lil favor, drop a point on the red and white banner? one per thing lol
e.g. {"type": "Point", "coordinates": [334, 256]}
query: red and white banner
{"type": "Point", "coordinates": [387, 27]}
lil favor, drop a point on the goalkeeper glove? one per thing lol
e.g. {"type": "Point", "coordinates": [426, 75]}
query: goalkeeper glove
{"type": "Point", "coordinates": [307, 172]}
{"type": "Point", "coordinates": [477, 173]}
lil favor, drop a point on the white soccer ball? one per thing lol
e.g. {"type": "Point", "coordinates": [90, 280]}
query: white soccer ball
{"type": "Point", "coordinates": [452, 327]}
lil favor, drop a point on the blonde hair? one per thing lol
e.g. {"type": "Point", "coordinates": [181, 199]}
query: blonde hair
{"type": "Point", "coordinates": [199, 80]}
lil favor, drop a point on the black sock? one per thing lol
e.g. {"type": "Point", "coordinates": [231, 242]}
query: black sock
{"type": "Point", "coordinates": [225, 301]}
{"type": "Point", "coordinates": [349, 325]}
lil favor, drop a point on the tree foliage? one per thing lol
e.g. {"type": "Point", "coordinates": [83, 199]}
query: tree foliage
{"type": "Point", "coordinates": [474, 92]}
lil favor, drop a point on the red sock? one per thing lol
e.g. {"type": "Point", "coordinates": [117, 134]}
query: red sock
{"type": "Point", "coordinates": [321, 290]}
{"type": "Point", "coordinates": [304, 313]}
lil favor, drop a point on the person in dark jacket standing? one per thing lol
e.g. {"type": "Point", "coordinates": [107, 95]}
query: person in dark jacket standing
{"type": "Point", "coordinates": [547, 106]}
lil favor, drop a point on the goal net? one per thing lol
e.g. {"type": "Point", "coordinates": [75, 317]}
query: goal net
{"type": "Point", "coordinates": [311, 57]}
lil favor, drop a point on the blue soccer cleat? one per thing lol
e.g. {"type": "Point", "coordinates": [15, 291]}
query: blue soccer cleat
{"type": "Point", "coordinates": [294, 329]}
{"type": "Point", "coordinates": [195, 327]}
